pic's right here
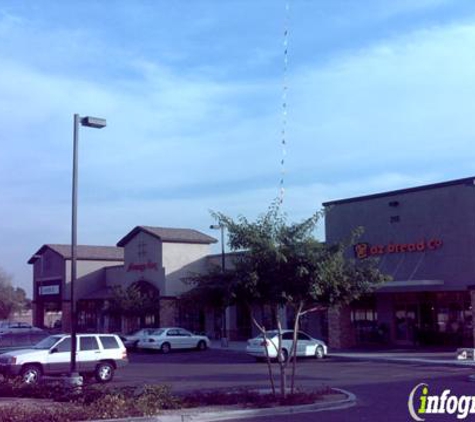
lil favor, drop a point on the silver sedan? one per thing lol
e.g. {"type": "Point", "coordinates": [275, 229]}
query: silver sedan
{"type": "Point", "coordinates": [167, 339]}
{"type": "Point", "coordinates": [306, 345]}
{"type": "Point", "coordinates": [131, 340]}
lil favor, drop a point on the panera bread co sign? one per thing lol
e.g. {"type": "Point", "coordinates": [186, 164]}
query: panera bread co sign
{"type": "Point", "coordinates": [365, 250]}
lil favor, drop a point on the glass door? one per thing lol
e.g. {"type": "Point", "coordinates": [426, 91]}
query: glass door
{"type": "Point", "coordinates": [405, 324]}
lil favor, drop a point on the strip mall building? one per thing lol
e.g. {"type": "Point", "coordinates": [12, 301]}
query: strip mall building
{"type": "Point", "coordinates": [423, 237]}
{"type": "Point", "coordinates": [156, 260]}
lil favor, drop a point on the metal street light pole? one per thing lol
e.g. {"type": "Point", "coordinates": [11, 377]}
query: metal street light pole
{"type": "Point", "coordinates": [96, 123]}
{"type": "Point", "coordinates": [224, 337]}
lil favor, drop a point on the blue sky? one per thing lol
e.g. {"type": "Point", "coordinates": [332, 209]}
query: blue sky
{"type": "Point", "coordinates": [381, 96]}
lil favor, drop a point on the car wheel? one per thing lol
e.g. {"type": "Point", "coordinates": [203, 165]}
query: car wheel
{"type": "Point", "coordinates": [284, 355]}
{"type": "Point", "coordinates": [104, 372]}
{"type": "Point", "coordinates": [319, 354]}
{"type": "Point", "coordinates": [165, 348]}
{"type": "Point", "coordinates": [201, 345]}
{"type": "Point", "coordinates": [31, 374]}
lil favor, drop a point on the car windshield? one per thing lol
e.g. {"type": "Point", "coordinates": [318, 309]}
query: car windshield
{"type": "Point", "coordinates": [47, 343]}
{"type": "Point", "coordinates": [157, 332]}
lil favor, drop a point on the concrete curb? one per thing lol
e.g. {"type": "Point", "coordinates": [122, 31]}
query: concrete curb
{"type": "Point", "coordinates": [193, 415]}
{"type": "Point", "coordinates": [372, 358]}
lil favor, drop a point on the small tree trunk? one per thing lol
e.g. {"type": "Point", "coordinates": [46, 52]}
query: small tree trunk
{"type": "Point", "coordinates": [262, 329]}
{"type": "Point", "coordinates": [282, 363]}
{"type": "Point", "coordinates": [298, 314]}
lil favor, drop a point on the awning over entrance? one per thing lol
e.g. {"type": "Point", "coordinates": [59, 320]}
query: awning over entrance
{"type": "Point", "coordinates": [412, 286]}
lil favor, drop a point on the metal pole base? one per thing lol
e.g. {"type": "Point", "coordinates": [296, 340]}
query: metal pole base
{"type": "Point", "coordinates": [73, 382]}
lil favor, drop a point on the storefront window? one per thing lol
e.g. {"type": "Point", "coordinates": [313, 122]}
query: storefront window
{"type": "Point", "coordinates": [191, 317]}
{"type": "Point", "coordinates": [406, 323]}
{"type": "Point", "coordinates": [364, 319]}
{"type": "Point", "coordinates": [150, 320]}
{"type": "Point", "coordinates": [88, 315]}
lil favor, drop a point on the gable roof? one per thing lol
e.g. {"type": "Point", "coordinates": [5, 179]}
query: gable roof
{"type": "Point", "coordinates": [169, 235]}
{"type": "Point", "coordinates": [84, 252]}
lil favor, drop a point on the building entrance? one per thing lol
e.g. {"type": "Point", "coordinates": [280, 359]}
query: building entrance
{"type": "Point", "coordinates": [405, 324]}
{"type": "Point", "coordinates": [433, 319]}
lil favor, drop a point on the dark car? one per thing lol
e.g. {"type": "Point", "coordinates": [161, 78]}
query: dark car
{"type": "Point", "coordinates": [15, 341]}
{"type": "Point", "coordinates": [17, 327]}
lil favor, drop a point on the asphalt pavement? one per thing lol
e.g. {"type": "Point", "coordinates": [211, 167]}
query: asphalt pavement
{"type": "Point", "coordinates": [432, 356]}
{"type": "Point", "coordinates": [381, 380]}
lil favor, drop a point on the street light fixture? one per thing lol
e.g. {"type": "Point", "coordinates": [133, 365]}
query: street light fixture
{"type": "Point", "coordinates": [96, 123]}
{"type": "Point", "coordinates": [224, 337]}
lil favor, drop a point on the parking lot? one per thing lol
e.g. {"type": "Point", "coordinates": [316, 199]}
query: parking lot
{"type": "Point", "coordinates": [382, 388]}
{"type": "Point", "coordinates": [216, 368]}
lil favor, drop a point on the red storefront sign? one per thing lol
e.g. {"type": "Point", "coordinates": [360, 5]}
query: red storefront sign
{"type": "Point", "coordinates": [365, 250]}
{"type": "Point", "coordinates": [142, 267]}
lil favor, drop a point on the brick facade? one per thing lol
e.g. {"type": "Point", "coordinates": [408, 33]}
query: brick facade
{"type": "Point", "coordinates": [66, 316]}
{"type": "Point", "coordinates": [168, 312]}
{"type": "Point", "coordinates": [472, 300]}
{"type": "Point", "coordinates": [340, 329]}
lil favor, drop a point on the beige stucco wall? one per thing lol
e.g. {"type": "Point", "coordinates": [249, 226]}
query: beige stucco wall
{"type": "Point", "coordinates": [180, 260]}
{"type": "Point", "coordinates": [90, 276]}
{"type": "Point", "coordinates": [143, 261]}
{"type": "Point", "coordinates": [114, 276]}
{"type": "Point", "coordinates": [162, 264]}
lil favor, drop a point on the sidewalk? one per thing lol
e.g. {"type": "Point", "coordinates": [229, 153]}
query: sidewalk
{"type": "Point", "coordinates": [235, 346]}
{"type": "Point", "coordinates": [423, 356]}
{"type": "Point", "coordinates": [404, 356]}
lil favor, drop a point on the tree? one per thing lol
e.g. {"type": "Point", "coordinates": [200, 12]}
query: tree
{"type": "Point", "coordinates": [213, 289]}
{"type": "Point", "coordinates": [137, 300]}
{"type": "Point", "coordinates": [12, 299]}
{"type": "Point", "coordinates": [284, 266]}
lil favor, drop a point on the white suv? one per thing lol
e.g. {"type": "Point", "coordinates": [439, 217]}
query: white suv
{"type": "Point", "coordinates": [97, 354]}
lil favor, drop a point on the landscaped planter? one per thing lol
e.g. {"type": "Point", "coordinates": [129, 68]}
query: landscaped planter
{"type": "Point", "coordinates": [157, 403]}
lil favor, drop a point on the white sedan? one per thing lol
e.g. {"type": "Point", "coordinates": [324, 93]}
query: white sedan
{"type": "Point", "coordinates": [132, 339]}
{"type": "Point", "coordinates": [167, 339]}
{"type": "Point", "coordinates": [306, 345]}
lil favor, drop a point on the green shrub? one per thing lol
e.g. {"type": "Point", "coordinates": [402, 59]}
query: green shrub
{"type": "Point", "coordinates": [100, 402]}
{"type": "Point", "coordinates": [113, 405]}
{"type": "Point", "coordinates": [154, 398]}
{"type": "Point", "coordinates": [92, 402]}
{"type": "Point", "coordinates": [14, 387]}
{"type": "Point", "coordinates": [251, 398]}
{"type": "Point", "coordinates": [58, 413]}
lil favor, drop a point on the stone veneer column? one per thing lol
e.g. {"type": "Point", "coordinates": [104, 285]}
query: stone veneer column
{"type": "Point", "coordinates": [168, 317]}
{"type": "Point", "coordinates": [340, 329]}
{"type": "Point", "coordinates": [38, 314]}
{"type": "Point", "coordinates": [66, 316]}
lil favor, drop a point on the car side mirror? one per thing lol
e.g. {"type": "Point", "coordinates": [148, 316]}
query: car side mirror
{"type": "Point", "coordinates": [54, 350]}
